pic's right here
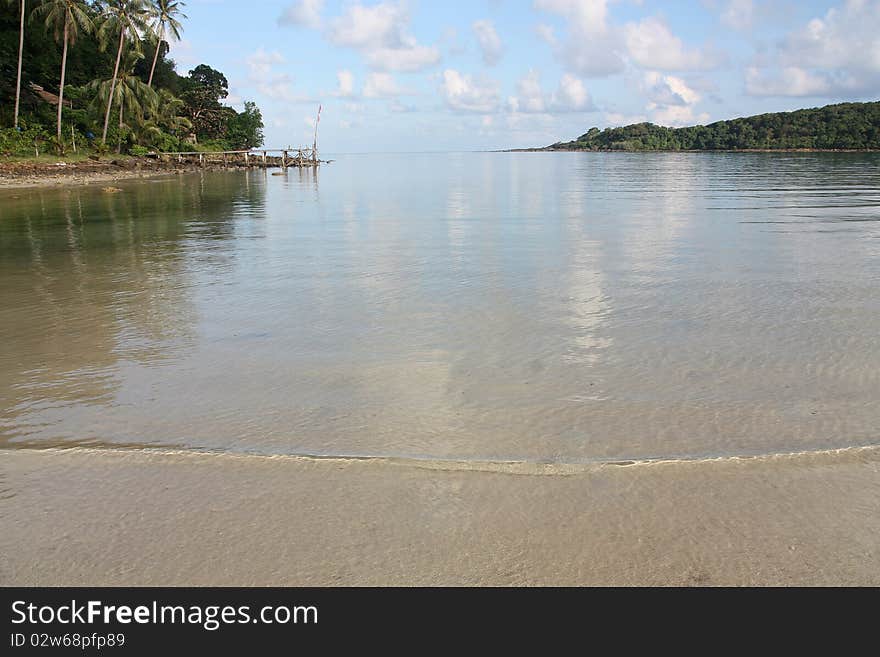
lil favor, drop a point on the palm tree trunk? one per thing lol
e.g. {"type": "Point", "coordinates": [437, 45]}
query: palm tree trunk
{"type": "Point", "coordinates": [20, 52]}
{"type": "Point", "coordinates": [155, 58]}
{"type": "Point", "coordinates": [113, 86]}
{"type": "Point", "coordinates": [61, 89]}
{"type": "Point", "coordinates": [119, 136]}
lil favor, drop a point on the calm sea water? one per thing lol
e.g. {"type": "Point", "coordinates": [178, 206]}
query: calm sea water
{"type": "Point", "coordinates": [539, 307]}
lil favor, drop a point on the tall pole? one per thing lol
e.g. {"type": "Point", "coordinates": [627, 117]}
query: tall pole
{"type": "Point", "coordinates": [113, 85]}
{"type": "Point", "coordinates": [315, 143]}
{"type": "Point", "coordinates": [61, 88]}
{"type": "Point", "coordinates": [20, 51]}
{"type": "Point", "coordinates": [160, 36]}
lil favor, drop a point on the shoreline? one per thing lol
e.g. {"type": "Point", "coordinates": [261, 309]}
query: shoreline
{"type": "Point", "coordinates": [94, 517]}
{"type": "Point", "coordinates": [548, 149]}
{"type": "Point", "coordinates": [25, 174]}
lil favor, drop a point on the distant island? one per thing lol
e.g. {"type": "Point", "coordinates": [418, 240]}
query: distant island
{"type": "Point", "coordinates": [842, 127]}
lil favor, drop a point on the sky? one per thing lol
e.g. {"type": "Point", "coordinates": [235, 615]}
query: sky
{"type": "Point", "coordinates": [422, 75]}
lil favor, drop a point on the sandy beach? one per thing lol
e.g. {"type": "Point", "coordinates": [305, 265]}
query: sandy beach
{"type": "Point", "coordinates": [116, 517]}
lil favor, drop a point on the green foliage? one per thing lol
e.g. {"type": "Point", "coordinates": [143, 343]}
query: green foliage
{"type": "Point", "coordinates": [847, 126]}
{"type": "Point", "coordinates": [26, 141]}
{"type": "Point", "coordinates": [165, 76]}
{"type": "Point", "coordinates": [245, 130]}
{"type": "Point", "coordinates": [138, 151]}
{"type": "Point", "coordinates": [203, 90]}
{"type": "Point", "coordinates": [212, 146]}
{"type": "Point", "coordinates": [185, 108]}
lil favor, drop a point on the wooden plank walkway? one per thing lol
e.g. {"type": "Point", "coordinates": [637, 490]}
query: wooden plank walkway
{"type": "Point", "coordinates": [265, 158]}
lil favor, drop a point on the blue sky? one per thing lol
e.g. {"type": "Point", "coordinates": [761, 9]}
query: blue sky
{"type": "Point", "coordinates": [420, 75]}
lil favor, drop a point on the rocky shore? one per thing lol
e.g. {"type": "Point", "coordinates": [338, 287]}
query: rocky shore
{"type": "Point", "coordinates": [26, 173]}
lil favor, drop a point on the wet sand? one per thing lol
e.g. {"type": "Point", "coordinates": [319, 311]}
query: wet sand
{"type": "Point", "coordinates": [130, 517]}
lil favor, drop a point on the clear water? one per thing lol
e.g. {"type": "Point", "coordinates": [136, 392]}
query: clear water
{"type": "Point", "coordinates": [534, 307]}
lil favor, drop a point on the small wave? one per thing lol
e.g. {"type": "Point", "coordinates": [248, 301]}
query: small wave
{"type": "Point", "coordinates": [513, 467]}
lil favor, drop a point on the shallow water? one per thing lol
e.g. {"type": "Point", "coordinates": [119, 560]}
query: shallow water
{"type": "Point", "coordinates": [527, 307]}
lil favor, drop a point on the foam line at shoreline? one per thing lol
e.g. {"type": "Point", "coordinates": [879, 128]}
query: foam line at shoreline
{"type": "Point", "coordinates": [514, 467]}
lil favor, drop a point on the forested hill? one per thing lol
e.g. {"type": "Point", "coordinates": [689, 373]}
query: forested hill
{"type": "Point", "coordinates": [121, 90]}
{"type": "Point", "coordinates": [848, 126]}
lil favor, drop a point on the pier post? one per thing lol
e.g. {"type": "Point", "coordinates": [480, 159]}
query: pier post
{"type": "Point", "coordinates": [247, 159]}
{"type": "Point", "coordinates": [283, 159]}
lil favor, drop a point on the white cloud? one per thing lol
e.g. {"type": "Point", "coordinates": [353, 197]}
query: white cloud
{"type": "Point", "coordinates": [677, 117]}
{"type": "Point", "coordinates": [570, 96]}
{"type": "Point", "coordinates": [407, 59]}
{"type": "Point", "coordinates": [345, 87]}
{"type": "Point", "coordinates": [261, 72]}
{"type": "Point", "coordinates": [789, 81]}
{"type": "Point", "coordinates": [462, 93]}
{"type": "Point", "coordinates": [650, 43]}
{"type": "Point", "coordinates": [368, 27]}
{"type": "Point", "coordinates": [671, 100]}
{"type": "Point", "coordinates": [381, 85]}
{"type": "Point", "coordinates": [845, 38]}
{"type": "Point", "coordinates": [261, 62]}
{"type": "Point", "coordinates": [547, 34]}
{"type": "Point", "coordinates": [530, 97]}
{"type": "Point", "coordinates": [837, 55]}
{"type": "Point", "coordinates": [739, 14]}
{"type": "Point", "coordinates": [306, 13]}
{"type": "Point", "coordinates": [593, 47]}
{"type": "Point", "coordinates": [597, 47]}
{"type": "Point", "coordinates": [617, 119]}
{"type": "Point", "coordinates": [489, 42]}
{"type": "Point", "coordinates": [668, 90]}
{"type": "Point", "coordinates": [380, 33]}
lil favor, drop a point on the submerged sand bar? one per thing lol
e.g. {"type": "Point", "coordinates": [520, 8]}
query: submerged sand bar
{"type": "Point", "coordinates": [118, 517]}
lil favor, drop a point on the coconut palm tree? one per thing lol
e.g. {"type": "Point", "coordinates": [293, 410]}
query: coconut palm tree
{"type": "Point", "coordinates": [128, 19]}
{"type": "Point", "coordinates": [169, 116]}
{"type": "Point", "coordinates": [126, 89]}
{"type": "Point", "coordinates": [166, 122]}
{"type": "Point", "coordinates": [66, 19]}
{"type": "Point", "coordinates": [20, 52]}
{"type": "Point", "coordinates": [163, 22]}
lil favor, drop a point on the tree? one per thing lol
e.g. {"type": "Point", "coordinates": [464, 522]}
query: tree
{"type": "Point", "coordinates": [20, 58]}
{"type": "Point", "coordinates": [163, 23]}
{"type": "Point", "coordinates": [245, 130]}
{"type": "Point", "coordinates": [65, 18]}
{"type": "Point", "coordinates": [128, 18]}
{"type": "Point", "coordinates": [203, 90]}
{"type": "Point", "coordinates": [166, 124]}
{"type": "Point", "coordinates": [846, 126]}
{"type": "Point", "coordinates": [129, 91]}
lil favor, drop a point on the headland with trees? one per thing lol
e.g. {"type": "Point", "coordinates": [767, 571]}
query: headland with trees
{"type": "Point", "coordinates": [840, 127]}
{"type": "Point", "coordinates": [96, 77]}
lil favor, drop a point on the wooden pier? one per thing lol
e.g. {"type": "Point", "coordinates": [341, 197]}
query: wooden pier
{"type": "Point", "coordinates": [265, 159]}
